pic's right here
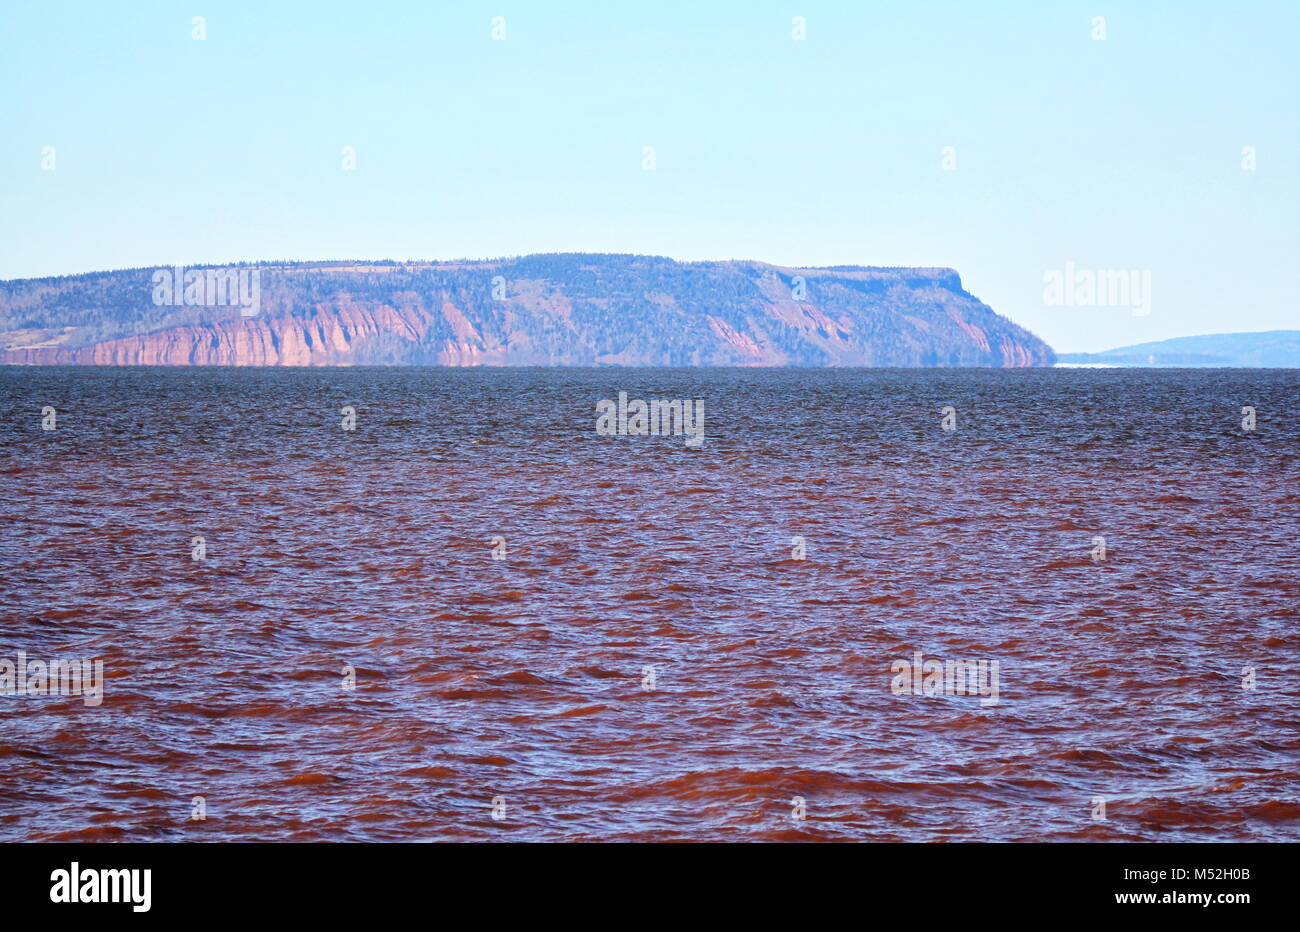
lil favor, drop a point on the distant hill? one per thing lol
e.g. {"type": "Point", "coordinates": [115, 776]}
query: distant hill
{"type": "Point", "coordinates": [563, 309]}
{"type": "Point", "coordinates": [1272, 349]}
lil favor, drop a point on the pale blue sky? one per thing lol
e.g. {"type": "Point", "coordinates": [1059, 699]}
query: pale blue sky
{"type": "Point", "coordinates": [1115, 154]}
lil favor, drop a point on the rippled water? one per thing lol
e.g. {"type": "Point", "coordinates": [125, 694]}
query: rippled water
{"type": "Point", "coordinates": [524, 678]}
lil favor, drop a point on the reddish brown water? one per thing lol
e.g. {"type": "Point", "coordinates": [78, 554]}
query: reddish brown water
{"type": "Point", "coordinates": [522, 678]}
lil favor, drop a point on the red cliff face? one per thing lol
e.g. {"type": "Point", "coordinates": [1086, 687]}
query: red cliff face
{"type": "Point", "coordinates": [334, 336]}
{"type": "Point", "coordinates": [538, 310]}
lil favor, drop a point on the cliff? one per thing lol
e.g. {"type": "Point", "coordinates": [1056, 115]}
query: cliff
{"type": "Point", "coordinates": [564, 309]}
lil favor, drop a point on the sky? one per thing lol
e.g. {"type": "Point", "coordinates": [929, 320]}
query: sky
{"type": "Point", "coordinates": [1002, 139]}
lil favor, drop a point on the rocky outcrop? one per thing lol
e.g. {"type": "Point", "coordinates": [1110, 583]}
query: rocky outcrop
{"type": "Point", "coordinates": [570, 309]}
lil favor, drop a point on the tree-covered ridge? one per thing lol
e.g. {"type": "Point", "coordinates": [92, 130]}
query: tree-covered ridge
{"type": "Point", "coordinates": [564, 308]}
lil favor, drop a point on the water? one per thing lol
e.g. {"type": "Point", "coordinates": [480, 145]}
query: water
{"type": "Point", "coordinates": [524, 678]}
